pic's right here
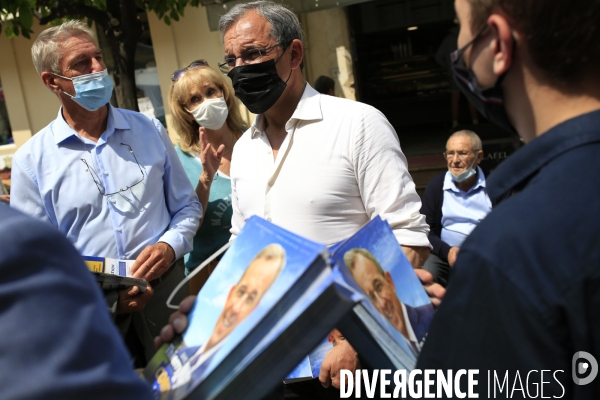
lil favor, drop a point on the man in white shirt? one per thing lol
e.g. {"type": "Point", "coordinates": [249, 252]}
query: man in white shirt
{"type": "Point", "coordinates": [319, 166]}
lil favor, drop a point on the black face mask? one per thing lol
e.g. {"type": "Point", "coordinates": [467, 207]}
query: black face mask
{"type": "Point", "coordinates": [489, 102]}
{"type": "Point", "coordinates": [258, 86]}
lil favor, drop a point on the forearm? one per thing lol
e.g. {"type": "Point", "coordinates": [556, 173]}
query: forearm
{"type": "Point", "coordinates": [203, 192]}
{"type": "Point", "coordinates": [417, 255]}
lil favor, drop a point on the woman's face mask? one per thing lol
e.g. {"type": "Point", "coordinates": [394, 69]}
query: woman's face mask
{"type": "Point", "coordinates": [211, 113]}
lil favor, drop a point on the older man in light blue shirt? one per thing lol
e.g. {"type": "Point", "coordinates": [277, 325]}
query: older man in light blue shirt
{"type": "Point", "coordinates": [454, 203]}
{"type": "Point", "coordinates": [109, 179]}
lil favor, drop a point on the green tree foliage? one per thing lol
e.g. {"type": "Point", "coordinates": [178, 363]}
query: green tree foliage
{"type": "Point", "coordinates": [118, 20]}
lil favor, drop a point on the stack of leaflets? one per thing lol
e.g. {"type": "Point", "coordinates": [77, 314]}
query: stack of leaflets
{"type": "Point", "coordinates": [112, 273]}
{"type": "Point", "coordinates": [271, 300]}
{"type": "Point", "coordinates": [388, 327]}
{"type": "Point", "coordinates": [275, 296]}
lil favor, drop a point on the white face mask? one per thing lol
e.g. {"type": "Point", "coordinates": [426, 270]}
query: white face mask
{"type": "Point", "coordinates": [211, 114]}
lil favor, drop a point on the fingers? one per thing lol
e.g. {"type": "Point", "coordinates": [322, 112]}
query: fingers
{"type": "Point", "coordinates": [436, 293]}
{"type": "Point", "coordinates": [177, 322]}
{"type": "Point", "coordinates": [128, 304]}
{"type": "Point", "coordinates": [152, 262]}
{"type": "Point", "coordinates": [424, 276]}
{"type": "Point", "coordinates": [324, 373]}
{"type": "Point", "coordinates": [203, 137]}
{"type": "Point", "coordinates": [186, 305]}
{"type": "Point", "coordinates": [219, 152]}
{"type": "Point", "coordinates": [141, 265]}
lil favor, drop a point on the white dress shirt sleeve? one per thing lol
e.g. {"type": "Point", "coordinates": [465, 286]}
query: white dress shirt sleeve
{"type": "Point", "coordinates": [181, 200]}
{"type": "Point", "coordinates": [386, 187]}
{"type": "Point", "coordinates": [237, 220]}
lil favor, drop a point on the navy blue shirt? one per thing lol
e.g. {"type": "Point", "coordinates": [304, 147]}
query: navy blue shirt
{"type": "Point", "coordinates": [57, 340]}
{"type": "Point", "coordinates": [525, 290]}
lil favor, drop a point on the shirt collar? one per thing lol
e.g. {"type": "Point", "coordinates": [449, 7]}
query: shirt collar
{"type": "Point", "coordinates": [308, 109]}
{"type": "Point", "coordinates": [450, 185]}
{"type": "Point", "coordinates": [62, 131]}
{"type": "Point", "coordinates": [531, 158]}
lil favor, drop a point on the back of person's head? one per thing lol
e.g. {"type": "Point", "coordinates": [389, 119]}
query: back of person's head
{"type": "Point", "coordinates": [324, 84]}
{"type": "Point", "coordinates": [472, 136]}
{"type": "Point", "coordinates": [47, 49]}
{"type": "Point", "coordinates": [187, 128]}
{"type": "Point", "coordinates": [562, 37]}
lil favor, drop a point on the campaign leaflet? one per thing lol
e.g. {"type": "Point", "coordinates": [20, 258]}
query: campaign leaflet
{"type": "Point", "coordinates": [265, 268]}
{"type": "Point", "coordinates": [396, 311]}
{"type": "Point", "coordinates": [311, 364]}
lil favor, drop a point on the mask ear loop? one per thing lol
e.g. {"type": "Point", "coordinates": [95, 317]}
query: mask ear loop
{"type": "Point", "coordinates": [194, 272]}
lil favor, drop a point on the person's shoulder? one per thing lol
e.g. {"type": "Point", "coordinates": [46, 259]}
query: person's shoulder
{"type": "Point", "coordinates": [134, 116]}
{"type": "Point", "coordinates": [437, 181]}
{"type": "Point", "coordinates": [16, 221]}
{"type": "Point", "coordinates": [37, 143]}
{"type": "Point", "coordinates": [348, 107]}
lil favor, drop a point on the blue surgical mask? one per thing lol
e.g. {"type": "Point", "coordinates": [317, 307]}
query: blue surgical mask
{"type": "Point", "coordinates": [92, 91]}
{"type": "Point", "coordinates": [463, 176]}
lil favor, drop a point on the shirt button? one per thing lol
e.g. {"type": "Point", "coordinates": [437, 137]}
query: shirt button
{"type": "Point", "coordinates": [119, 229]}
{"type": "Point", "coordinates": [269, 151]}
{"type": "Point", "coordinates": [105, 172]}
{"type": "Point", "coordinates": [112, 200]}
{"type": "Point", "coordinates": [269, 219]}
{"type": "Point", "coordinates": [123, 258]}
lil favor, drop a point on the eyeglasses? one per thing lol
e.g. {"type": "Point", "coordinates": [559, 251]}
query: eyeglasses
{"type": "Point", "coordinates": [177, 75]}
{"type": "Point", "coordinates": [97, 179]}
{"type": "Point", "coordinates": [449, 155]}
{"type": "Point", "coordinates": [248, 57]}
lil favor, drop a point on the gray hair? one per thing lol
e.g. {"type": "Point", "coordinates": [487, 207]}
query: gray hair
{"type": "Point", "coordinates": [350, 257]}
{"type": "Point", "coordinates": [285, 26]}
{"type": "Point", "coordinates": [47, 50]}
{"type": "Point", "coordinates": [475, 140]}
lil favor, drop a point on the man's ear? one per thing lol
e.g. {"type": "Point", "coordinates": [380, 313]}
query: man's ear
{"type": "Point", "coordinates": [479, 156]}
{"type": "Point", "coordinates": [297, 53]}
{"type": "Point", "coordinates": [503, 45]}
{"type": "Point", "coordinates": [49, 79]}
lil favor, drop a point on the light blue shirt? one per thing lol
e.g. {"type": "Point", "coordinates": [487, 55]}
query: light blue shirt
{"type": "Point", "coordinates": [51, 183]}
{"type": "Point", "coordinates": [462, 211]}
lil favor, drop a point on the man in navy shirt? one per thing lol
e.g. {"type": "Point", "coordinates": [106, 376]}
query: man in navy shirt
{"type": "Point", "coordinates": [57, 338]}
{"type": "Point", "coordinates": [524, 299]}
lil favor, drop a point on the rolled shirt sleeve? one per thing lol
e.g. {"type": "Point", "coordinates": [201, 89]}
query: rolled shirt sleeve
{"type": "Point", "coordinates": [385, 185]}
{"type": "Point", "coordinates": [182, 203]}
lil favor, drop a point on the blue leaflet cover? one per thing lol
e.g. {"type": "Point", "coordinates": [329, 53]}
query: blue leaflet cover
{"type": "Point", "coordinates": [313, 315]}
{"type": "Point", "coordinates": [373, 263]}
{"type": "Point", "coordinates": [311, 364]}
{"type": "Point", "coordinates": [261, 265]}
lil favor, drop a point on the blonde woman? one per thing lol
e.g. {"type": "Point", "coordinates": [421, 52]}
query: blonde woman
{"type": "Point", "coordinates": [207, 120]}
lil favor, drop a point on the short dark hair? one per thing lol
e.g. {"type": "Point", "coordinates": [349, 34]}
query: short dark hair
{"type": "Point", "coordinates": [323, 84]}
{"type": "Point", "coordinates": [562, 36]}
